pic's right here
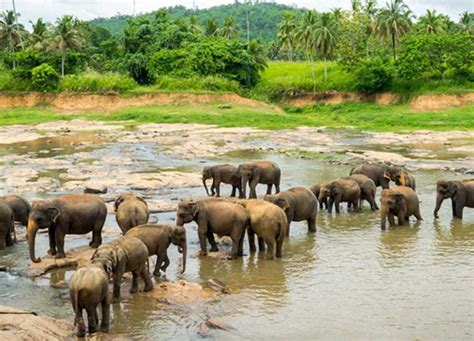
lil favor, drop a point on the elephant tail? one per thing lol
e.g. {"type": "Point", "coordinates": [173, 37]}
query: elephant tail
{"type": "Point", "coordinates": [282, 231]}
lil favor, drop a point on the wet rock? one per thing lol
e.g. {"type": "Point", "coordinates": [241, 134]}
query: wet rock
{"type": "Point", "coordinates": [216, 324]}
{"type": "Point", "coordinates": [218, 286]}
{"type": "Point", "coordinates": [179, 292]}
{"type": "Point", "coordinates": [93, 188]}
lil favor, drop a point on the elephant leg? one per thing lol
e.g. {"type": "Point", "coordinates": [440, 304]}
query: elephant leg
{"type": "Point", "coordinates": [269, 189]}
{"type": "Point", "coordinates": [401, 218]}
{"type": "Point", "coordinates": [52, 242]}
{"type": "Point", "coordinates": [251, 236]}
{"type": "Point", "coordinates": [97, 235]}
{"type": "Point", "coordinates": [236, 236]}
{"type": "Point", "coordinates": [135, 276]}
{"type": "Point", "coordinates": [312, 223]}
{"type": "Point", "coordinates": [212, 241]}
{"type": "Point", "coordinates": [253, 189]}
{"type": "Point", "coordinates": [218, 188]}
{"type": "Point", "coordinates": [117, 278]}
{"type": "Point", "coordinates": [104, 325]}
{"type": "Point", "coordinates": [202, 241]}
{"type": "Point", "coordinates": [270, 254]}
{"type": "Point", "coordinates": [287, 234]}
{"type": "Point", "coordinates": [458, 209]}
{"type": "Point", "coordinates": [337, 202]}
{"type": "Point", "coordinates": [418, 214]}
{"type": "Point", "coordinates": [277, 187]}
{"type": "Point", "coordinates": [146, 278]}
{"type": "Point", "coordinates": [166, 263]}
{"type": "Point", "coordinates": [234, 189]}
{"type": "Point", "coordinates": [60, 243]}
{"type": "Point", "coordinates": [391, 219]}
{"type": "Point", "coordinates": [261, 244]}
{"type": "Point", "coordinates": [92, 319]}
{"type": "Point", "coordinates": [8, 238]}
{"type": "Point", "coordinates": [213, 187]}
{"type": "Point", "coordinates": [160, 259]}
{"type": "Point", "coordinates": [279, 245]}
{"type": "Point", "coordinates": [81, 327]}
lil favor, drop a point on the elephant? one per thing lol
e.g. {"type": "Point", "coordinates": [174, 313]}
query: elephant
{"type": "Point", "coordinates": [89, 287]}
{"type": "Point", "coordinates": [316, 189]}
{"type": "Point", "coordinates": [379, 173]}
{"type": "Point", "coordinates": [461, 193]}
{"type": "Point", "coordinates": [218, 216]}
{"type": "Point", "coordinates": [367, 190]}
{"type": "Point", "coordinates": [301, 205]}
{"type": "Point", "coordinates": [125, 254]}
{"type": "Point", "coordinates": [407, 180]}
{"type": "Point", "coordinates": [261, 172]}
{"type": "Point", "coordinates": [221, 173]}
{"type": "Point", "coordinates": [269, 223]}
{"type": "Point", "coordinates": [341, 190]}
{"type": "Point", "coordinates": [67, 214]}
{"type": "Point", "coordinates": [157, 239]}
{"type": "Point", "coordinates": [7, 225]}
{"type": "Point", "coordinates": [20, 207]}
{"type": "Point", "coordinates": [401, 202]}
{"type": "Point", "coordinates": [130, 211]}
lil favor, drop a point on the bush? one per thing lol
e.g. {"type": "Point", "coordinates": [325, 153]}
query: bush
{"type": "Point", "coordinates": [137, 67]}
{"type": "Point", "coordinates": [96, 82]}
{"type": "Point", "coordinates": [209, 83]}
{"type": "Point", "coordinates": [8, 82]}
{"type": "Point", "coordinates": [372, 75]}
{"type": "Point", "coordinates": [44, 78]}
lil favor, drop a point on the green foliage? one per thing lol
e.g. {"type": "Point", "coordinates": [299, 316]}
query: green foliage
{"type": "Point", "coordinates": [372, 75]}
{"type": "Point", "coordinates": [8, 82]}
{"type": "Point", "coordinates": [95, 82]}
{"type": "Point", "coordinates": [44, 78]}
{"type": "Point", "coordinates": [136, 65]}
{"type": "Point", "coordinates": [208, 83]}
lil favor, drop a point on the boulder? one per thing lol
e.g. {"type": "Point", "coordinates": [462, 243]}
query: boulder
{"type": "Point", "coordinates": [179, 292]}
{"type": "Point", "coordinates": [94, 188]}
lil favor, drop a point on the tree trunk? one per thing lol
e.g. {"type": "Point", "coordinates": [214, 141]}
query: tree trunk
{"type": "Point", "coordinates": [393, 47]}
{"type": "Point", "coordinates": [325, 70]}
{"type": "Point", "coordinates": [248, 25]}
{"type": "Point", "coordinates": [13, 57]}
{"type": "Point", "coordinates": [62, 63]}
{"type": "Point", "coordinates": [313, 72]}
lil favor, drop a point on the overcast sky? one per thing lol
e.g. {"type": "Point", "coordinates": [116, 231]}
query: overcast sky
{"type": "Point", "coordinates": [89, 9]}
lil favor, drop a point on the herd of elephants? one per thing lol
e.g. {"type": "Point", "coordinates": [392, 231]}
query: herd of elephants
{"type": "Point", "coordinates": [269, 218]}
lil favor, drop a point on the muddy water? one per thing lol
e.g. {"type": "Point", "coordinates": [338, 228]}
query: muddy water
{"type": "Point", "coordinates": [350, 280]}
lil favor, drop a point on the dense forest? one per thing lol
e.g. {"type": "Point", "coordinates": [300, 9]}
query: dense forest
{"type": "Point", "coordinates": [367, 49]}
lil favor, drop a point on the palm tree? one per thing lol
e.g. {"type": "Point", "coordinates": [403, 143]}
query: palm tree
{"type": "Point", "coordinates": [229, 30]}
{"type": "Point", "coordinates": [325, 36]}
{"type": "Point", "coordinates": [337, 13]}
{"type": "Point", "coordinates": [355, 6]}
{"type": "Point", "coordinates": [38, 37]}
{"type": "Point", "coordinates": [211, 29]}
{"type": "Point", "coordinates": [305, 37]}
{"type": "Point", "coordinates": [465, 22]}
{"type": "Point", "coordinates": [431, 23]}
{"type": "Point", "coordinates": [370, 10]}
{"type": "Point", "coordinates": [394, 20]}
{"type": "Point", "coordinates": [10, 32]}
{"type": "Point", "coordinates": [256, 50]}
{"type": "Point", "coordinates": [65, 37]}
{"type": "Point", "coordinates": [286, 33]}
{"type": "Point", "coordinates": [194, 26]}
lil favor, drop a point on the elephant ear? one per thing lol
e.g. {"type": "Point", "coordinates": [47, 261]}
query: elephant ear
{"type": "Point", "coordinates": [399, 197]}
{"type": "Point", "coordinates": [335, 189]}
{"type": "Point", "coordinates": [386, 175]}
{"type": "Point", "coordinates": [452, 187]}
{"type": "Point", "coordinates": [53, 213]}
{"type": "Point", "coordinates": [117, 203]}
{"type": "Point", "coordinates": [282, 203]}
{"type": "Point", "coordinates": [142, 200]}
{"type": "Point", "coordinates": [194, 207]}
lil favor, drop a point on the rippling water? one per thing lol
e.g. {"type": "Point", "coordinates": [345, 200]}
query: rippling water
{"type": "Point", "coordinates": [348, 281]}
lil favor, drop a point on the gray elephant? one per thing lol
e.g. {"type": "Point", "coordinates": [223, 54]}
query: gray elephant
{"type": "Point", "coordinates": [7, 225]}
{"type": "Point", "coordinates": [218, 216]}
{"type": "Point", "coordinates": [226, 174]}
{"type": "Point", "coordinates": [461, 193]}
{"type": "Point", "coordinates": [407, 180]}
{"type": "Point", "coordinates": [269, 223]}
{"type": "Point", "coordinates": [367, 190]}
{"type": "Point", "coordinates": [158, 238]}
{"type": "Point", "coordinates": [21, 207]}
{"type": "Point", "coordinates": [261, 172]}
{"type": "Point", "coordinates": [316, 189]}
{"type": "Point", "coordinates": [89, 288]}
{"type": "Point", "coordinates": [67, 214]}
{"type": "Point", "coordinates": [379, 173]}
{"type": "Point", "coordinates": [299, 203]}
{"type": "Point", "coordinates": [401, 202]}
{"type": "Point", "coordinates": [341, 190]}
{"type": "Point", "coordinates": [125, 254]}
{"type": "Point", "coordinates": [130, 211]}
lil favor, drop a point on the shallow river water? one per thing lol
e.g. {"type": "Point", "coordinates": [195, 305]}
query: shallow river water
{"type": "Point", "coordinates": [350, 280]}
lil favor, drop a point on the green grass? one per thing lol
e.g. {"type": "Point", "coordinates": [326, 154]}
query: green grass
{"type": "Point", "coordinates": [33, 115]}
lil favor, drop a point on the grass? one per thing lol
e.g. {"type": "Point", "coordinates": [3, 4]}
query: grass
{"type": "Point", "coordinates": [359, 116]}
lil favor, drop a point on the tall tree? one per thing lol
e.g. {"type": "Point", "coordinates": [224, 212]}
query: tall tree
{"type": "Point", "coordinates": [210, 28]}
{"type": "Point", "coordinates": [66, 37]}
{"type": "Point", "coordinates": [325, 36]}
{"type": "Point", "coordinates": [10, 32]}
{"type": "Point", "coordinates": [256, 50]}
{"type": "Point", "coordinates": [431, 22]}
{"type": "Point", "coordinates": [305, 37]}
{"type": "Point", "coordinates": [466, 22]}
{"type": "Point", "coordinates": [229, 29]}
{"type": "Point", "coordinates": [394, 21]}
{"type": "Point", "coordinates": [286, 34]}
{"type": "Point", "coordinates": [194, 26]}
{"type": "Point", "coordinates": [370, 10]}
{"type": "Point", "coordinates": [355, 6]}
{"type": "Point", "coordinates": [38, 38]}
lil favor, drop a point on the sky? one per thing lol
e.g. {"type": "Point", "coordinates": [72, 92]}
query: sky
{"type": "Point", "coordinates": [31, 10]}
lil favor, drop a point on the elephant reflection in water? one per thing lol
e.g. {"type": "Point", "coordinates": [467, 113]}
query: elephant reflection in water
{"type": "Point", "coordinates": [398, 244]}
{"type": "Point", "coordinates": [452, 236]}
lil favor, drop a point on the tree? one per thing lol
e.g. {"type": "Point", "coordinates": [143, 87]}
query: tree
{"type": "Point", "coordinates": [66, 37]}
{"type": "Point", "coordinates": [229, 30]}
{"type": "Point", "coordinates": [431, 23]}
{"type": "Point", "coordinates": [286, 34]}
{"type": "Point", "coordinates": [466, 22]}
{"type": "Point", "coordinates": [10, 32]}
{"type": "Point", "coordinates": [38, 38]}
{"type": "Point", "coordinates": [193, 25]}
{"type": "Point", "coordinates": [355, 6]}
{"type": "Point", "coordinates": [325, 36]}
{"type": "Point", "coordinates": [257, 52]}
{"type": "Point", "coordinates": [370, 11]}
{"type": "Point", "coordinates": [394, 20]}
{"type": "Point", "coordinates": [211, 29]}
{"type": "Point", "coordinates": [305, 37]}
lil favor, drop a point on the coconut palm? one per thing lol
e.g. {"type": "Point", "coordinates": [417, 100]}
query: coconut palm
{"type": "Point", "coordinates": [466, 22]}
{"type": "Point", "coordinates": [229, 30]}
{"type": "Point", "coordinates": [431, 23]}
{"type": "Point", "coordinates": [211, 29]}
{"type": "Point", "coordinates": [38, 38]}
{"type": "Point", "coordinates": [305, 37]}
{"type": "Point", "coordinates": [257, 52]}
{"type": "Point", "coordinates": [370, 10]}
{"type": "Point", "coordinates": [325, 36]}
{"type": "Point", "coordinates": [355, 6]}
{"type": "Point", "coordinates": [66, 37]}
{"type": "Point", "coordinates": [194, 26]}
{"type": "Point", "coordinates": [286, 33]}
{"type": "Point", "coordinates": [10, 32]}
{"type": "Point", "coordinates": [394, 21]}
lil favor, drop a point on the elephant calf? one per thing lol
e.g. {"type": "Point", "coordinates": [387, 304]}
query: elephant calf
{"type": "Point", "coordinates": [7, 225]}
{"type": "Point", "coordinates": [341, 190]}
{"type": "Point", "coordinates": [367, 190]}
{"type": "Point", "coordinates": [130, 211]}
{"type": "Point", "coordinates": [218, 216]}
{"type": "Point", "coordinates": [89, 287]}
{"type": "Point", "coordinates": [300, 204]}
{"type": "Point", "coordinates": [261, 172]}
{"type": "Point", "coordinates": [157, 239]}
{"type": "Point", "coordinates": [401, 202]}
{"type": "Point", "coordinates": [125, 254]}
{"type": "Point", "coordinates": [226, 174]}
{"type": "Point", "coordinates": [461, 193]}
{"type": "Point", "coordinates": [269, 223]}
{"type": "Point", "coordinates": [407, 180]}
{"type": "Point", "coordinates": [20, 207]}
{"type": "Point", "coordinates": [316, 189]}
{"type": "Point", "coordinates": [379, 173]}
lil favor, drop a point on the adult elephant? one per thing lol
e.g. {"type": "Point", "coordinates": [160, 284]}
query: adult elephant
{"type": "Point", "coordinates": [380, 174]}
{"type": "Point", "coordinates": [157, 239]}
{"type": "Point", "coordinates": [7, 225]}
{"type": "Point", "coordinates": [461, 193]}
{"type": "Point", "coordinates": [341, 190]}
{"type": "Point", "coordinates": [130, 211]}
{"type": "Point", "coordinates": [401, 202]}
{"type": "Point", "coordinates": [67, 214]}
{"type": "Point", "coordinates": [226, 174]}
{"type": "Point", "coordinates": [218, 216]}
{"type": "Point", "coordinates": [261, 172]}
{"type": "Point", "coordinates": [367, 190]}
{"type": "Point", "coordinates": [299, 204]}
{"type": "Point", "coordinates": [21, 207]}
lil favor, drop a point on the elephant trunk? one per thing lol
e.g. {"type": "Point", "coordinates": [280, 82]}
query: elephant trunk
{"type": "Point", "coordinates": [179, 222]}
{"type": "Point", "coordinates": [184, 250]}
{"type": "Point", "coordinates": [3, 234]}
{"type": "Point", "coordinates": [32, 229]}
{"type": "Point", "coordinates": [383, 216]}
{"type": "Point", "coordinates": [205, 186]}
{"type": "Point", "coordinates": [439, 201]}
{"type": "Point", "coordinates": [244, 187]}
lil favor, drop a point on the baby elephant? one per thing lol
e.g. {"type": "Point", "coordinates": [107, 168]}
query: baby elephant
{"type": "Point", "coordinates": [341, 190]}
{"type": "Point", "coordinates": [407, 180]}
{"type": "Point", "coordinates": [20, 207]}
{"type": "Point", "coordinates": [130, 211]}
{"type": "Point", "coordinates": [401, 202]}
{"type": "Point", "coordinates": [226, 174]}
{"type": "Point", "coordinates": [301, 204]}
{"type": "Point", "coordinates": [158, 238]}
{"type": "Point", "coordinates": [125, 254]}
{"type": "Point", "coordinates": [367, 190]}
{"type": "Point", "coordinates": [316, 189]}
{"type": "Point", "coordinates": [7, 225]}
{"type": "Point", "coordinates": [89, 287]}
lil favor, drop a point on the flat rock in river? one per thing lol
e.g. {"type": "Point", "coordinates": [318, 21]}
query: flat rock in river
{"type": "Point", "coordinates": [179, 292]}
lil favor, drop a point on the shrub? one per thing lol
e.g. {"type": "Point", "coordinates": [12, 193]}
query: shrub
{"type": "Point", "coordinates": [137, 67]}
{"type": "Point", "coordinates": [8, 82]}
{"type": "Point", "coordinates": [209, 83]}
{"type": "Point", "coordinates": [372, 75]}
{"type": "Point", "coordinates": [96, 82]}
{"type": "Point", "coordinates": [44, 78]}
